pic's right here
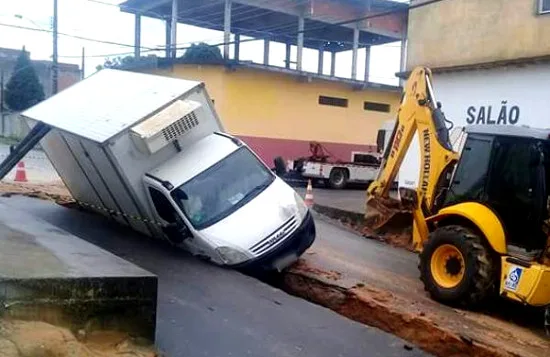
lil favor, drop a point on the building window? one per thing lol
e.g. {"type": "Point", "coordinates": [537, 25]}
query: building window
{"type": "Point", "coordinates": [333, 101]}
{"type": "Point", "coordinates": [377, 107]}
{"type": "Point", "coordinates": [544, 6]}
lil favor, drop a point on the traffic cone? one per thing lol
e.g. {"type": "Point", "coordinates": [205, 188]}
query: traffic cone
{"type": "Point", "coordinates": [309, 195]}
{"type": "Point", "coordinates": [20, 172]}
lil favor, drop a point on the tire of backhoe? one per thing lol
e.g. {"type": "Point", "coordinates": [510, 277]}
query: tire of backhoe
{"type": "Point", "coordinates": [480, 275]}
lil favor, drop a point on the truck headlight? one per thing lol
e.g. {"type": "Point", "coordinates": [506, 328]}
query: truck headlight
{"type": "Point", "coordinates": [231, 256]}
{"type": "Point", "coordinates": [300, 205]}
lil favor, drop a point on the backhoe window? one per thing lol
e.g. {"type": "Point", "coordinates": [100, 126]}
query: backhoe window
{"type": "Point", "coordinates": [471, 175]}
{"type": "Point", "coordinates": [516, 191]}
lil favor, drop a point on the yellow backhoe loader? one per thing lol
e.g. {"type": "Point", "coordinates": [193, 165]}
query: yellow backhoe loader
{"type": "Point", "coordinates": [481, 215]}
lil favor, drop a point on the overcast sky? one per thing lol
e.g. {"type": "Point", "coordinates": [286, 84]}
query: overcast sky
{"type": "Point", "coordinates": [104, 22]}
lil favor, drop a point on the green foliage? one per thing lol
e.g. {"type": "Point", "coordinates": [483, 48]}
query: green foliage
{"type": "Point", "coordinates": [119, 62]}
{"type": "Point", "coordinates": [23, 90]}
{"type": "Point", "coordinates": [202, 53]}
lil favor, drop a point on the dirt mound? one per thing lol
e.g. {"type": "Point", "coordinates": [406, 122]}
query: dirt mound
{"type": "Point", "coordinates": [56, 192]}
{"type": "Point", "coordinates": [39, 339]}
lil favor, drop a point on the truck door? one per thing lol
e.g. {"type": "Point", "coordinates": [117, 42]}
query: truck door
{"type": "Point", "coordinates": [175, 229]}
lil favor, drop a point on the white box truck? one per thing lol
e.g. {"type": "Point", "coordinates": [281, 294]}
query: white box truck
{"type": "Point", "coordinates": [150, 152]}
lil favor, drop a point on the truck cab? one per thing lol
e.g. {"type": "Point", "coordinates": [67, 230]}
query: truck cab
{"type": "Point", "coordinates": [220, 201]}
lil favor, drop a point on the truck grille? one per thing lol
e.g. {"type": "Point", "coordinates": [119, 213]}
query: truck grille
{"type": "Point", "coordinates": [180, 127]}
{"type": "Point", "coordinates": [276, 237]}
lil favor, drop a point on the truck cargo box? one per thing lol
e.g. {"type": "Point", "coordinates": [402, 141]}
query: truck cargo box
{"type": "Point", "coordinates": [101, 151]}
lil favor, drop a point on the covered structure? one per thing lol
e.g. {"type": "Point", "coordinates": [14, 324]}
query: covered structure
{"type": "Point", "coordinates": [324, 25]}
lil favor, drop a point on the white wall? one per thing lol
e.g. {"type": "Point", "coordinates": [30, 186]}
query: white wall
{"type": "Point", "coordinates": [511, 95]}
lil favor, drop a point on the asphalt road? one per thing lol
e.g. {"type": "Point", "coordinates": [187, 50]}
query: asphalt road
{"type": "Point", "coordinates": [351, 200]}
{"type": "Point", "coordinates": [205, 310]}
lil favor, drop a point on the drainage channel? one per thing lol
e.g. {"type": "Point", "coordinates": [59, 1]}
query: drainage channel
{"type": "Point", "coordinates": [418, 331]}
{"type": "Point", "coordinates": [372, 307]}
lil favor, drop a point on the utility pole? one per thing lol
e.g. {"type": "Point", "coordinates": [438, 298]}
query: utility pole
{"type": "Point", "coordinates": [2, 100]}
{"type": "Point", "coordinates": [82, 75]}
{"type": "Point", "coordinates": [1, 91]}
{"type": "Point", "coordinates": [55, 67]}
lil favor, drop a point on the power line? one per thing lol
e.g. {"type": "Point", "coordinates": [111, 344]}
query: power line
{"type": "Point", "coordinates": [74, 36]}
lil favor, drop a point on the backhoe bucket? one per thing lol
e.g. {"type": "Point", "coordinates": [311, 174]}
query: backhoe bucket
{"type": "Point", "coordinates": [387, 215]}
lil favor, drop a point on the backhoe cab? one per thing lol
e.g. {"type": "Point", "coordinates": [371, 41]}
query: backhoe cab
{"type": "Point", "coordinates": [481, 216]}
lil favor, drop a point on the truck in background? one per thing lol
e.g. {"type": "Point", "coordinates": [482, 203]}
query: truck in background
{"type": "Point", "coordinates": [321, 166]}
{"type": "Point", "coordinates": [150, 153]}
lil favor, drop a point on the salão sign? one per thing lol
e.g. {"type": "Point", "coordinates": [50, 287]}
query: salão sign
{"type": "Point", "coordinates": [500, 96]}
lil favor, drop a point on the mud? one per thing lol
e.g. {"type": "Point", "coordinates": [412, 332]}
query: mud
{"type": "Point", "coordinates": [40, 339]}
{"type": "Point", "coordinates": [410, 321]}
{"type": "Point", "coordinates": [56, 192]}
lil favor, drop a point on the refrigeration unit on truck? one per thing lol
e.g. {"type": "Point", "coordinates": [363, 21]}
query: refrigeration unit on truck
{"type": "Point", "coordinates": [337, 174]}
{"type": "Point", "coordinates": [150, 153]}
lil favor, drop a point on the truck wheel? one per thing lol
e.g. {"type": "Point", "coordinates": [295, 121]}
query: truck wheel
{"type": "Point", "coordinates": [456, 267]}
{"type": "Point", "coordinates": [338, 178]}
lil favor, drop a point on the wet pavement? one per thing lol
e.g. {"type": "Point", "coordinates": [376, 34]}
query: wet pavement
{"type": "Point", "coordinates": [205, 310]}
{"type": "Point", "coordinates": [351, 200]}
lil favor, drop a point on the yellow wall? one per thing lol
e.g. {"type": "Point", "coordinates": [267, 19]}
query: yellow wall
{"type": "Point", "coordinates": [460, 32]}
{"type": "Point", "coordinates": [266, 104]}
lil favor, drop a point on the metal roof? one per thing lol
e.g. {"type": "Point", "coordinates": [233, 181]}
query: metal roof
{"type": "Point", "coordinates": [509, 130]}
{"type": "Point", "coordinates": [108, 102]}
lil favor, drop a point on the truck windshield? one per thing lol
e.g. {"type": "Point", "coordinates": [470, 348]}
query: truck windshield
{"type": "Point", "coordinates": [223, 188]}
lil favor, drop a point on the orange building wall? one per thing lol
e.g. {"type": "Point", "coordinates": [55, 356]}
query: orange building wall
{"type": "Point", "coordinates": [258, 104]}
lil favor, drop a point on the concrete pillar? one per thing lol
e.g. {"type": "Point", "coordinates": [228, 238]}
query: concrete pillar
{"type": "Point", "coordinates": [354, 53]}
{"type": "Point", "coordinates": [137, 36]}
{"type": "Point", "coordinates": [403, 60]}
{"type": "Point", "coordinates": [167, 39]}
{"type": "Point", "coordinates": [237, 46]}
{"type": "Point", "coordinates": [266, 52]}
{"type": "Point", "coordinates": [320, 60]}
{"type": "Point", "coordinates": [226, 29]}
{"type": "Point", "coordinates": [367, 63]}
{"type": "Point", "coordinates": [333, 64]}
{"type": "Point", "coordinates": [174, 28]}
{"type": "Point", "coordinates": [287, 55]}
{"type": "Point", "coordinates": [300, 43]}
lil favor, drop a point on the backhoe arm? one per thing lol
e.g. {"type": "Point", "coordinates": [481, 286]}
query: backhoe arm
{"type": "Point", "coordinates": [418, 113]}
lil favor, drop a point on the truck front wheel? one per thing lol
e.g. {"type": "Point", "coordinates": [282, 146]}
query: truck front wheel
{"type": "Point", "coordinates": [338, 178]}
{"type": "Point", "coordinates": [456, 267]}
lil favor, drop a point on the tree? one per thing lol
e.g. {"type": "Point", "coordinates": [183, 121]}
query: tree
{"type": "Point", "coordinates": [126, 62]}
{"type": "Point", "coordinates": [23, 90]}
{"type": "Point", "coordinates": [202, 53]}
{"type": "Point", "coordinates": [119, 62]}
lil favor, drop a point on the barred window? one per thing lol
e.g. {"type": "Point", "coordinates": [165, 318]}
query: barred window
{"type": "Point", "coordinates": [333, 101]}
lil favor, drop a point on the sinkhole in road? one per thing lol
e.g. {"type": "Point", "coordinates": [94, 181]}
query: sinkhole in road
{"type": "Point", "coordinates": [374, 308]}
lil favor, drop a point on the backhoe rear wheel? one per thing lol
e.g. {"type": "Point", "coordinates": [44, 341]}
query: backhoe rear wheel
{"type": "Point", "coordinates": [456, 267]}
